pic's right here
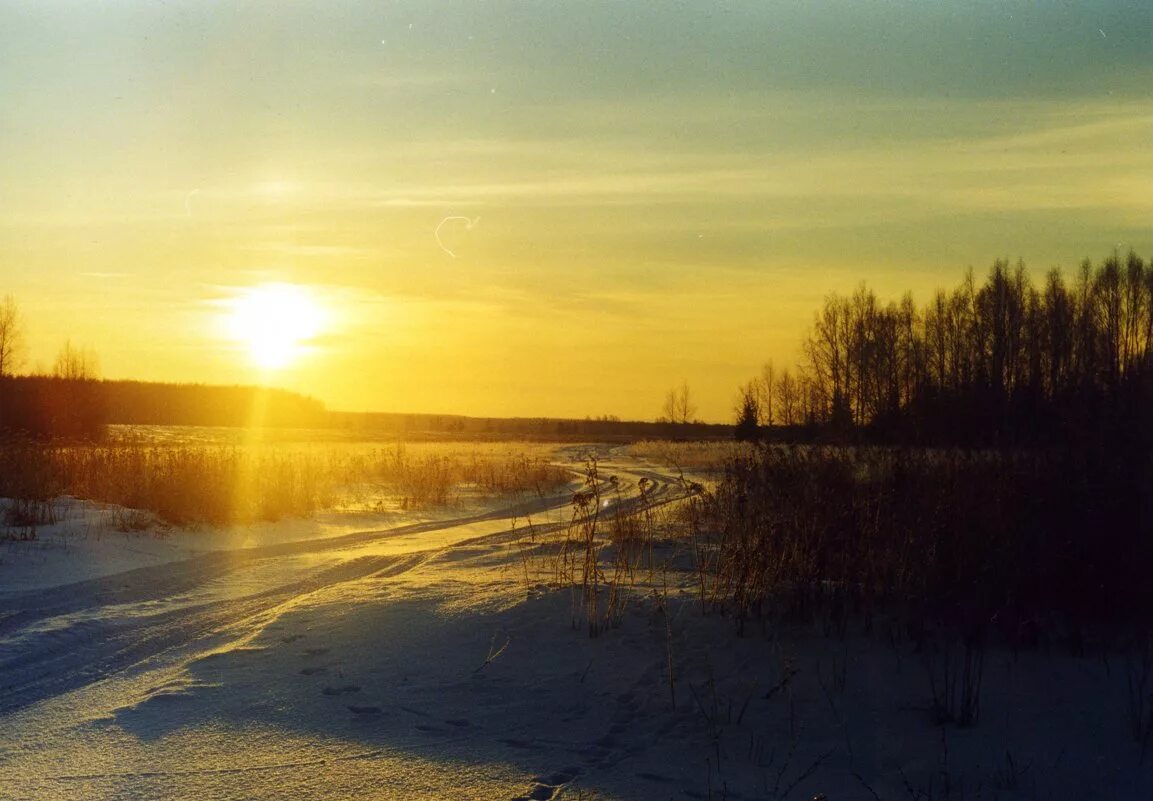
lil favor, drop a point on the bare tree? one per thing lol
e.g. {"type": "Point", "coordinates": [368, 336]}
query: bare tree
{"type": "Point", "coordinates": [789, 395]}
{"type": "Point", "coordinates": [11, 336]}
{"type": "Point", "coordinates": [678, 406]}
{"type": "Point", "coordinates": [767, 387]}
{"type": "Point", "coordinates": [76, 363]}
{"type": "Point", "coordinates": [830, 359]}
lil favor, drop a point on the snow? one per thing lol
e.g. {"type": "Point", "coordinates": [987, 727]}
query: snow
{"type": "Point", "coordinates": [88, 541]}
{"type": "Point", "coordinates": [416, 658]}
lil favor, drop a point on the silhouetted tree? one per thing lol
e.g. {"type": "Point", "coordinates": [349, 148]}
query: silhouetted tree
{"type": "Point", "coordinates": [11, 337]}
{"type": "Point", "coordinates": [748, 413]}
{"type": "Point", "coordinates": [1002, 362]}
{"type": "Point", "coordinates": [788, 398]}
{"type": "Point", "coordinates": [75, 363]}
{"type": "Point", "coordinates": [679, 407]}
{"type": "Point", "coordinates": [767, 387]}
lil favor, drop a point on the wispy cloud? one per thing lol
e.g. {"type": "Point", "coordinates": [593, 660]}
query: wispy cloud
{"type": "Point", "coordinates": [105, 276]}
{"type": "Point", "coordinates": [343, 252]}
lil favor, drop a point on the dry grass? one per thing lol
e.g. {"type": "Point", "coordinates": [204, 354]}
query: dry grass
{"type": "Point", "coordinates": [961, 537]}
{"type": "Point", "coordinates": [694, 455]}
{"type": "Point", "coordinates": [433, 474]}
{"type": "Point", "coordinates": [216, 483]}
{"type": "Point", "coordinates": [612, 546]}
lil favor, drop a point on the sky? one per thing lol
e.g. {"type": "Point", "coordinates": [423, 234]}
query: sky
{"type": "Point", "coordinates": [546, 208]}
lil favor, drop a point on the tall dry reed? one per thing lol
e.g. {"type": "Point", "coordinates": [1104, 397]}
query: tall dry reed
{"type": "Point", "coordinates": [218, 484]}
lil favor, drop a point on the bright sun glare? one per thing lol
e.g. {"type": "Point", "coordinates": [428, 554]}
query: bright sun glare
{"type": "Point", "coordinates": [276, 322]}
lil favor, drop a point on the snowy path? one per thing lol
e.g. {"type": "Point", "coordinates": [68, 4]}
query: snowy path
{"type": "Point", "coordinates": [55, 640]}
{"type": "Point", "coordinates": [81, 655]}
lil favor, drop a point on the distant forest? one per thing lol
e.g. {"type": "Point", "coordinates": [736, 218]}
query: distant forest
{"type": "Point", "coordinates": [1005, 363]}
{"type": "Point", "coordinates": [81, 408]}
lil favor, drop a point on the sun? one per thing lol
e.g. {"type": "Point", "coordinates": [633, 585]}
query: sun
{"type": "Point", "coordinates": [276, 322]}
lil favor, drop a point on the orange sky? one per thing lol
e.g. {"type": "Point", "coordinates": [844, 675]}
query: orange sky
{"type": "Point", "coordinates": [626, 196]}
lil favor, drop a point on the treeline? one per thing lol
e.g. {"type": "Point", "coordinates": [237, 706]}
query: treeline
{"type": "Point", "coordinates": [147, 403]}
{"type": "Point", "coordinates": [606, 428]}
{"type": "Point", "coordinates": [80, 408]}
{"type": "Point", "coordinates": [50, 406]}
{"type": "Point", "coordinates": [1007, 362]}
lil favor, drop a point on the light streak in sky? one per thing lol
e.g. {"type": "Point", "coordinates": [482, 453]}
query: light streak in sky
{"type": "Point", "coordinates": [469, 224]}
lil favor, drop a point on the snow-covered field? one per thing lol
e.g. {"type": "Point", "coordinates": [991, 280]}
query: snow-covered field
{"type": "Point", "coordinates": [428, 657]}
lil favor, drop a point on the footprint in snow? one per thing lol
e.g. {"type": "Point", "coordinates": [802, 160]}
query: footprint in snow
{"type": "Point", "coordinates": [348, 688]}
{"type": "Point", "coordinates": [594, 755]}
{"type": "Point", "coordinates": [513, 743]}
{"type": "Point", "coordinates": [364, 710]}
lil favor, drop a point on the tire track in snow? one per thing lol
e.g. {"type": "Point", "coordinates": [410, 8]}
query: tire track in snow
{"type": "Point", "coordinates": [62, 660]}
{"type": "Point", "coordinates": [51, 648]}
{"type": "Point", "coordinates": [174, 578]}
